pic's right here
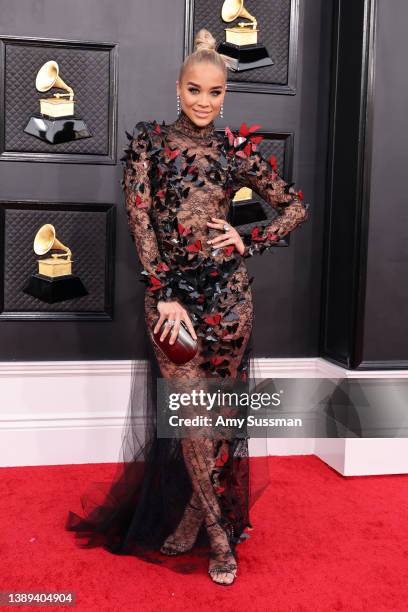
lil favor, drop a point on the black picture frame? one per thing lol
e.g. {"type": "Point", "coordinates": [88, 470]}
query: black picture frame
{"type": "Point", "coordinates": [10, 269]}
{"type": "Point", "coordinates": [47, 155]}
{"type": "Point", "coordinates": [289, 47]}
{"type": "Point", "coordinates": [272, 140]}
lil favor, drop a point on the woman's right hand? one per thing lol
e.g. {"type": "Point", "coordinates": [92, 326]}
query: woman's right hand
{"type": "Point", "coordinates": [173, 311]}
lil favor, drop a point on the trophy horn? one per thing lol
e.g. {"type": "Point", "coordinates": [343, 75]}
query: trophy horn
{"type": "Point", "coordinates": [48, 76]}
{"type": "Point", "coordinates": [231, 9]}
{"type": "Point", "coordinates": [45, 239]}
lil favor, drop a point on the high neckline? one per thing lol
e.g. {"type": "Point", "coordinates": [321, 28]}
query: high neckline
{"type": "Point", "coordinates": [185, 125]}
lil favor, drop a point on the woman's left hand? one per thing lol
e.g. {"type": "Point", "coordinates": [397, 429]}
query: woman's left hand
{"type": "Point", "coordinates": [228, 237]}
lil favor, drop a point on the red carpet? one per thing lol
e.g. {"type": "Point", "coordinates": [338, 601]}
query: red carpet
{"type": "Point", "coordinates": [320, 542]}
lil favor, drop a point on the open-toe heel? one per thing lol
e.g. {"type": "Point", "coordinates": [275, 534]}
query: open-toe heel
{"type": "Point", "coordinates": [177, 543]}
{"type": "Point", "coordinates": [223, 568]}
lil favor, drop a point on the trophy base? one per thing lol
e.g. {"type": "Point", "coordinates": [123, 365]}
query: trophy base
{"type": "Point", "coordinates": [246, 215]}
{"type": "Point", "coordinates": [53, 290]}
{"type": "Point", "coordinates": [57, 129]}
{"type": "Point", "coordinates": [246, 211]}
{"type": "Point", "coordinates": [246, 57]}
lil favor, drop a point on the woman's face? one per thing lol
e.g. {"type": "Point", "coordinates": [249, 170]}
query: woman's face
{"type": "Point", "coordinates": [202, 92]}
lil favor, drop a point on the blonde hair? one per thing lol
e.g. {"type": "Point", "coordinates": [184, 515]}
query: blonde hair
{"type": "Point", "coordinates": [205, 51]}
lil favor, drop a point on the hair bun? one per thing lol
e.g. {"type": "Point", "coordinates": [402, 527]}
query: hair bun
{"type": "Point", "coordinates": [204, 40]}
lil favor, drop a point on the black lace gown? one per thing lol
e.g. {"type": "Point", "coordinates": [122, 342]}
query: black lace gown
{"type": "Point", "coordinates": [175, 178]}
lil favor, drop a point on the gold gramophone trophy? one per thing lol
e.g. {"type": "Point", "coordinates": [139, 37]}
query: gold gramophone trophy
{"type": "Point", "coordinates": [54, 281]}
{"type": "Point", "coordinates": [56, 121]}
{"type": "Point", "coordinates": [241, 42]}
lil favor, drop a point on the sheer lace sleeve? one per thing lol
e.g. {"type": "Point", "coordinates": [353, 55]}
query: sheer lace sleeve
{"type": "Point", "coordinates": [138, 202]}
{"type": "Point", "coordinates": [251, 169]}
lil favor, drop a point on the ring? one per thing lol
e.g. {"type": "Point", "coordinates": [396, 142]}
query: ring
{"type": "Point", "coordinates": [226, 227]}
{"type": "Point", "coordinates": [169, 322]}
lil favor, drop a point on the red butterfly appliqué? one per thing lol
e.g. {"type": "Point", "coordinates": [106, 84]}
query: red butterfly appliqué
{"type": "Point", "coordinates": [194, 247]}
{"type": "Point", "coordinates": [213, 319]}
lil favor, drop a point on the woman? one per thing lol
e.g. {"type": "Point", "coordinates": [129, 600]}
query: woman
{"type": "Point", "coordinates": [179, 180]}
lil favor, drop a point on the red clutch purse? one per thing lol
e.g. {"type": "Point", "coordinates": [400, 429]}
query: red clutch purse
{"type": "Point", "coordinates": [184, 347]}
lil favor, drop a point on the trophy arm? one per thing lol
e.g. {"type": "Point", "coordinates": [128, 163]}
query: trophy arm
{"type": "Point", "coordinates": [67, 254]}
{"type": "Point", "coordinates": [70, 93]}
{"type": "Point", "coordinates": [243, 24]}
{"type": "Point", "coordinates": [247, 15]}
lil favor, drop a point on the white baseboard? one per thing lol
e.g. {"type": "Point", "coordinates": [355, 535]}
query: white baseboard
{"type": "Point", "coordinates": [364, 456]}
{"type": "Point", "coordinates": [72, 412]}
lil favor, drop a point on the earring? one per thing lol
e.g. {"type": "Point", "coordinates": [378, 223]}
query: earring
{"type": "Point", "coordinates": [178, 105]}
{"type": "Point", "coordinates": [222, 110]}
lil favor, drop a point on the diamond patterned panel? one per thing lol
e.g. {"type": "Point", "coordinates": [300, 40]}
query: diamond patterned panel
{"type": "Point", "coordinates": [87, 71]}
{"type": "Point", "coordinates": [83, 232]}
{"type": "Point", "coordinates": [273, 17]}
{"type": "Point", "coordinates": [273, 146]}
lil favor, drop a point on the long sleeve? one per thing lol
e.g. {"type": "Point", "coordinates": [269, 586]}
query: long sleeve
{"type": "Point", "coordinates": [252, 170]}
{"type": "Point", "coordinates": [138, 204]}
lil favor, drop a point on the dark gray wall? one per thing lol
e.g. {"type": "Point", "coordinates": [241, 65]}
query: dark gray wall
{"type": "Point", "coordinates": [364, 293]}
{"type": "Point", "coordinates": [150, 36]}
{"type": "Point", "coordinates": [386, 324]}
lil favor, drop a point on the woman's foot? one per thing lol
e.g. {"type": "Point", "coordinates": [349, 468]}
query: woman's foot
{"type": "Point", "coordinates": [223, 571]}
{"type": "Point", "coordinates": [223, 566]}
{"type": "Point", "coordinates": [183, 539]}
